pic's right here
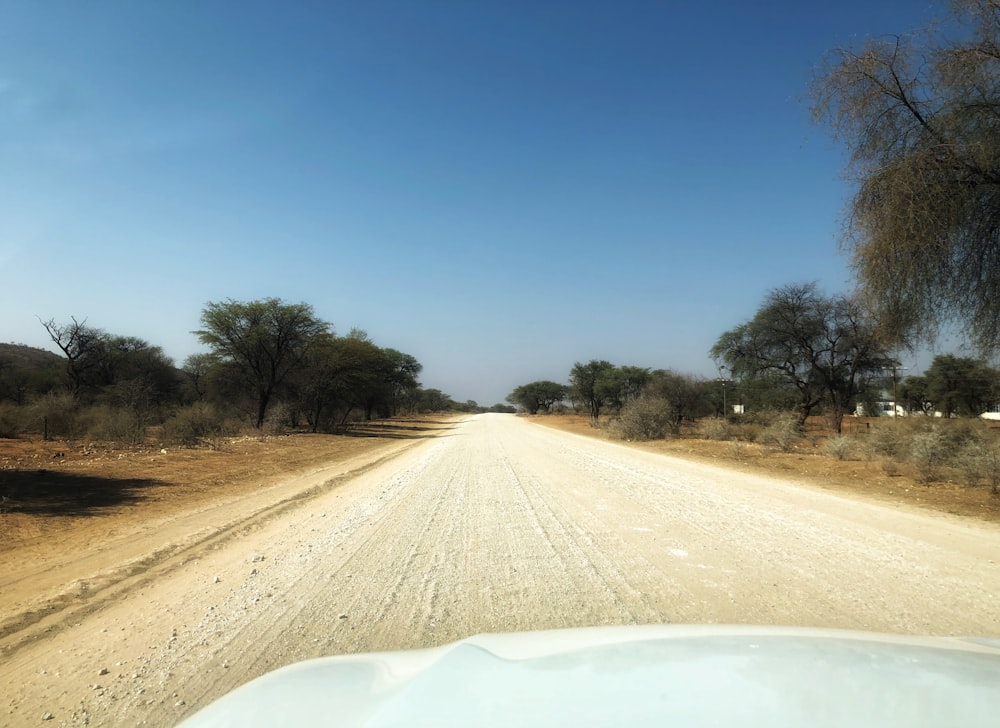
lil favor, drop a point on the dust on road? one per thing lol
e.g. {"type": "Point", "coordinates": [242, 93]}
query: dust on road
{"type": "Point", "coordinates": [501, 525]}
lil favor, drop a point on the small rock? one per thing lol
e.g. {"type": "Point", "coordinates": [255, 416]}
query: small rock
{"type": "Point", "coordinates": [103, 671]}
{"type": "Point", "coordinates": [217, 580]}
{"type": "Point", "coordinates": [342, 616]}
{"type": "Point", "coordinates": [47, 716]}
{"type": "Point", "coordinates": [256, 558]}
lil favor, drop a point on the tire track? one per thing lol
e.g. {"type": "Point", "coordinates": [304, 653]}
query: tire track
{"type": "Point", "coordinates": [502, 526]}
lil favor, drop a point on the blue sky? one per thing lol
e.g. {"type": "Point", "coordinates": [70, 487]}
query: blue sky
{"type": "Point", "coordinates": [498, 188]}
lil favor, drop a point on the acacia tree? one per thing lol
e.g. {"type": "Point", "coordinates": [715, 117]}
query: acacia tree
{"type": "Point", "coordinates": [540, 395]}
{"type": "Point", "coordinates": [593, 384]}
{"type": "Point", "coordinates": [631, 382]}
{"type": "Point", "coordinates": [683, 395]}
{"type": "Point", "coordinates": [912, 393]}
{"type": "Point", "coordinates": [826, 347]}
{"type": "Point", "coordinates": [920, 115]}
{"type": "Point", "coordinates": [959, 385]}
{"type": "Point", "coordinates": [263, 341]}
{"type": "Point", "coordinates": [400, 373]}
{"type": "Point", "coordinates": [196, 369]}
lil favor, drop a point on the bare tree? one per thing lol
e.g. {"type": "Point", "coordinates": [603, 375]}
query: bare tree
{"type": "Point", "coordinates": [83, 346]}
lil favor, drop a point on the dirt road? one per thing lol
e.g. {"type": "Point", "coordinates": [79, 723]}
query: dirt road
{"type": "Point", "coordinates": [498, 524]}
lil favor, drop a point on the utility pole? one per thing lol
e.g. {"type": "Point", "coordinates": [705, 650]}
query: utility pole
{"type": "Point", "coordinates": [894, 367]}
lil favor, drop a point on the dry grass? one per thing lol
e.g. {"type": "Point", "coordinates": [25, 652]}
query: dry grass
{"type": "Point", "coordinates": [810, 461]}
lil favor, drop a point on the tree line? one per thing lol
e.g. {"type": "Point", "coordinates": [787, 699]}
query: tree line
{"type": "Point", "coordinates": [265, 361]}
{"type": "Point", "coordinates": [802, 350]}
{"type": "Point", "coordinates": [598, 386]}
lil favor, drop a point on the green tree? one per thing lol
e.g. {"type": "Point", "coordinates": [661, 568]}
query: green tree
{"type": "Point", "coordinates": [263, 341]}
{"type": "Point", "coordinates": [535, 396]}
{"type": "Point", "coordinates": [913, 396]}
{"type": "Point", "coordinates": [400, 373]}
{"type": "Point", "coordinates": [684, 396]}
{"type": "Point", "coordinates": [631, 382]}
{"type": "Point", "coordinates": [593, 385]}
{"type": "Point", "coordinates": [920, 114]}
{"type": "Point", "coordinates": [825, 347]}
{"type": "Point", "coordinates": [960, 385]}
{"type": "Point", "coordinates": [196, 370]}
{"type": "Point", "coordinates": [433, 400]}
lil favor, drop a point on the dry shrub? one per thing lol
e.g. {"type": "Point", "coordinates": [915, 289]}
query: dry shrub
{"type": "Point", "coordinates": [923, 439]}
{"type": "Point", "coordinates": [979, 462]}
{"type": "Point", "coordinates": [715, 429]}
{"type": "Point", "coordinates": [889, 439]}
{"type": "Point", "coordinates": [891, 468]}
{"type": "Point", "coordinates": [783, 432]}
{"type": "Point", "coordinates": [929, 451]}
{"type": "Point", "coordinates": [196, 423]}
{"type": "Point", "coordinates": [841, 447]}
{"type": "Point", "coordinates": [646, 418]}
{"type": "Point", "coordinates": [58, 413]}
{"type": "Point", "coordinates": [11, 420]}
{"type": "Point", "coordinates": [113, 424]}
{"type": "Point", "coordinates": [278, 420]}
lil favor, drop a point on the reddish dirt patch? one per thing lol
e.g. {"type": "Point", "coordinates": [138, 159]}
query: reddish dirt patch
{"type": "Point", "coordinates": [76, 493]}
{"type": "Point", "coordinates": [809, 464]}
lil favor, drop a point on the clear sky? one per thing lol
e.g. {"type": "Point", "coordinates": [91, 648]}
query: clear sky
{"type": "Point", "coordinates": [499, 188]}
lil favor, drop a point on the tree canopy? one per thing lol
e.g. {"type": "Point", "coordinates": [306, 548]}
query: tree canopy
{"type": "Point", "coordinates": [957, 385]}
{"type": "Point", "coordinates": [594, 384]}
{"type": "Point", "coordinates": [824, 346]}
{"type": "Point", "coordinates": [536, 396]}
{"type": "Point", "coordinates": [263, 340]}
{"type": "Point", "coordinates": [920, 114]}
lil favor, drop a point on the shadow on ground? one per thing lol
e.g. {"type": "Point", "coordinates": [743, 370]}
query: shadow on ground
{"type": "Point", "coordinates": [51, 493]}
{"type": "Point", "coordinates": [413, 430]}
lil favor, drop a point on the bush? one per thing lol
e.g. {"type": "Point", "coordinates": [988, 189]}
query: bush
{"type": "Point", "coordinates": [980, 462]}
{"type": "Point", "coordinates": [930, 450]}
{"type": "Point", "coordinates": [278, 420]}
{"type": "Point", "coordinates": [715, 429]}
{"type": "Point", "coordinates": [889, 438]}
{"type": "Point", "coordinates": [57, 413]}
{"type": "Point", "coordinates": [841, 447]}
{"type": "Point", "coordinates": [193, 424]}
{"type": "Point", "coordinates": [761, 418]}
{"type": "Point", "coordinates": [114, 424]}
{"type": "Point", "coordinates": [11, 420]}
{"type": "Point", "coordinates": [895, 437]}
{"type": "Point", "coordinates": [646, 418]}
{"type": "Point", "coordinates": [784, 432]}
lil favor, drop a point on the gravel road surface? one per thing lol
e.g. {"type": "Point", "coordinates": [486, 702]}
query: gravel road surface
{"type": "Point", "coordinates": [498, 524]}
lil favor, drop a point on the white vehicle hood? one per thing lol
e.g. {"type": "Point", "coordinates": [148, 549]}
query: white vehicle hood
{"type": "Point", "coordinates": [614, 676]}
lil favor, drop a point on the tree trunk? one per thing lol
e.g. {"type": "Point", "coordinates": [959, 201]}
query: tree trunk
{"type": "Point", "coordinates": [262, 401]}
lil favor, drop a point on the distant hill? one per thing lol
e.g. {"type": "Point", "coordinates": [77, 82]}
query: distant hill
{"type": "Point", "coordinates": [27, 357]}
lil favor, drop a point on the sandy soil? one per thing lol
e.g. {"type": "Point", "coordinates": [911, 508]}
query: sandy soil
{"type": "Point", "coordinates": [807, 463]}
{"type": "Point", "coordinates": [487, 523]}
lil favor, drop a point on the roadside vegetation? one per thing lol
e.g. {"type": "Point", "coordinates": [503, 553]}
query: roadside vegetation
{"type": "Point", "coordinates": [926, 427]}
{"type": "Point", "coordinates": [268, 367]}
